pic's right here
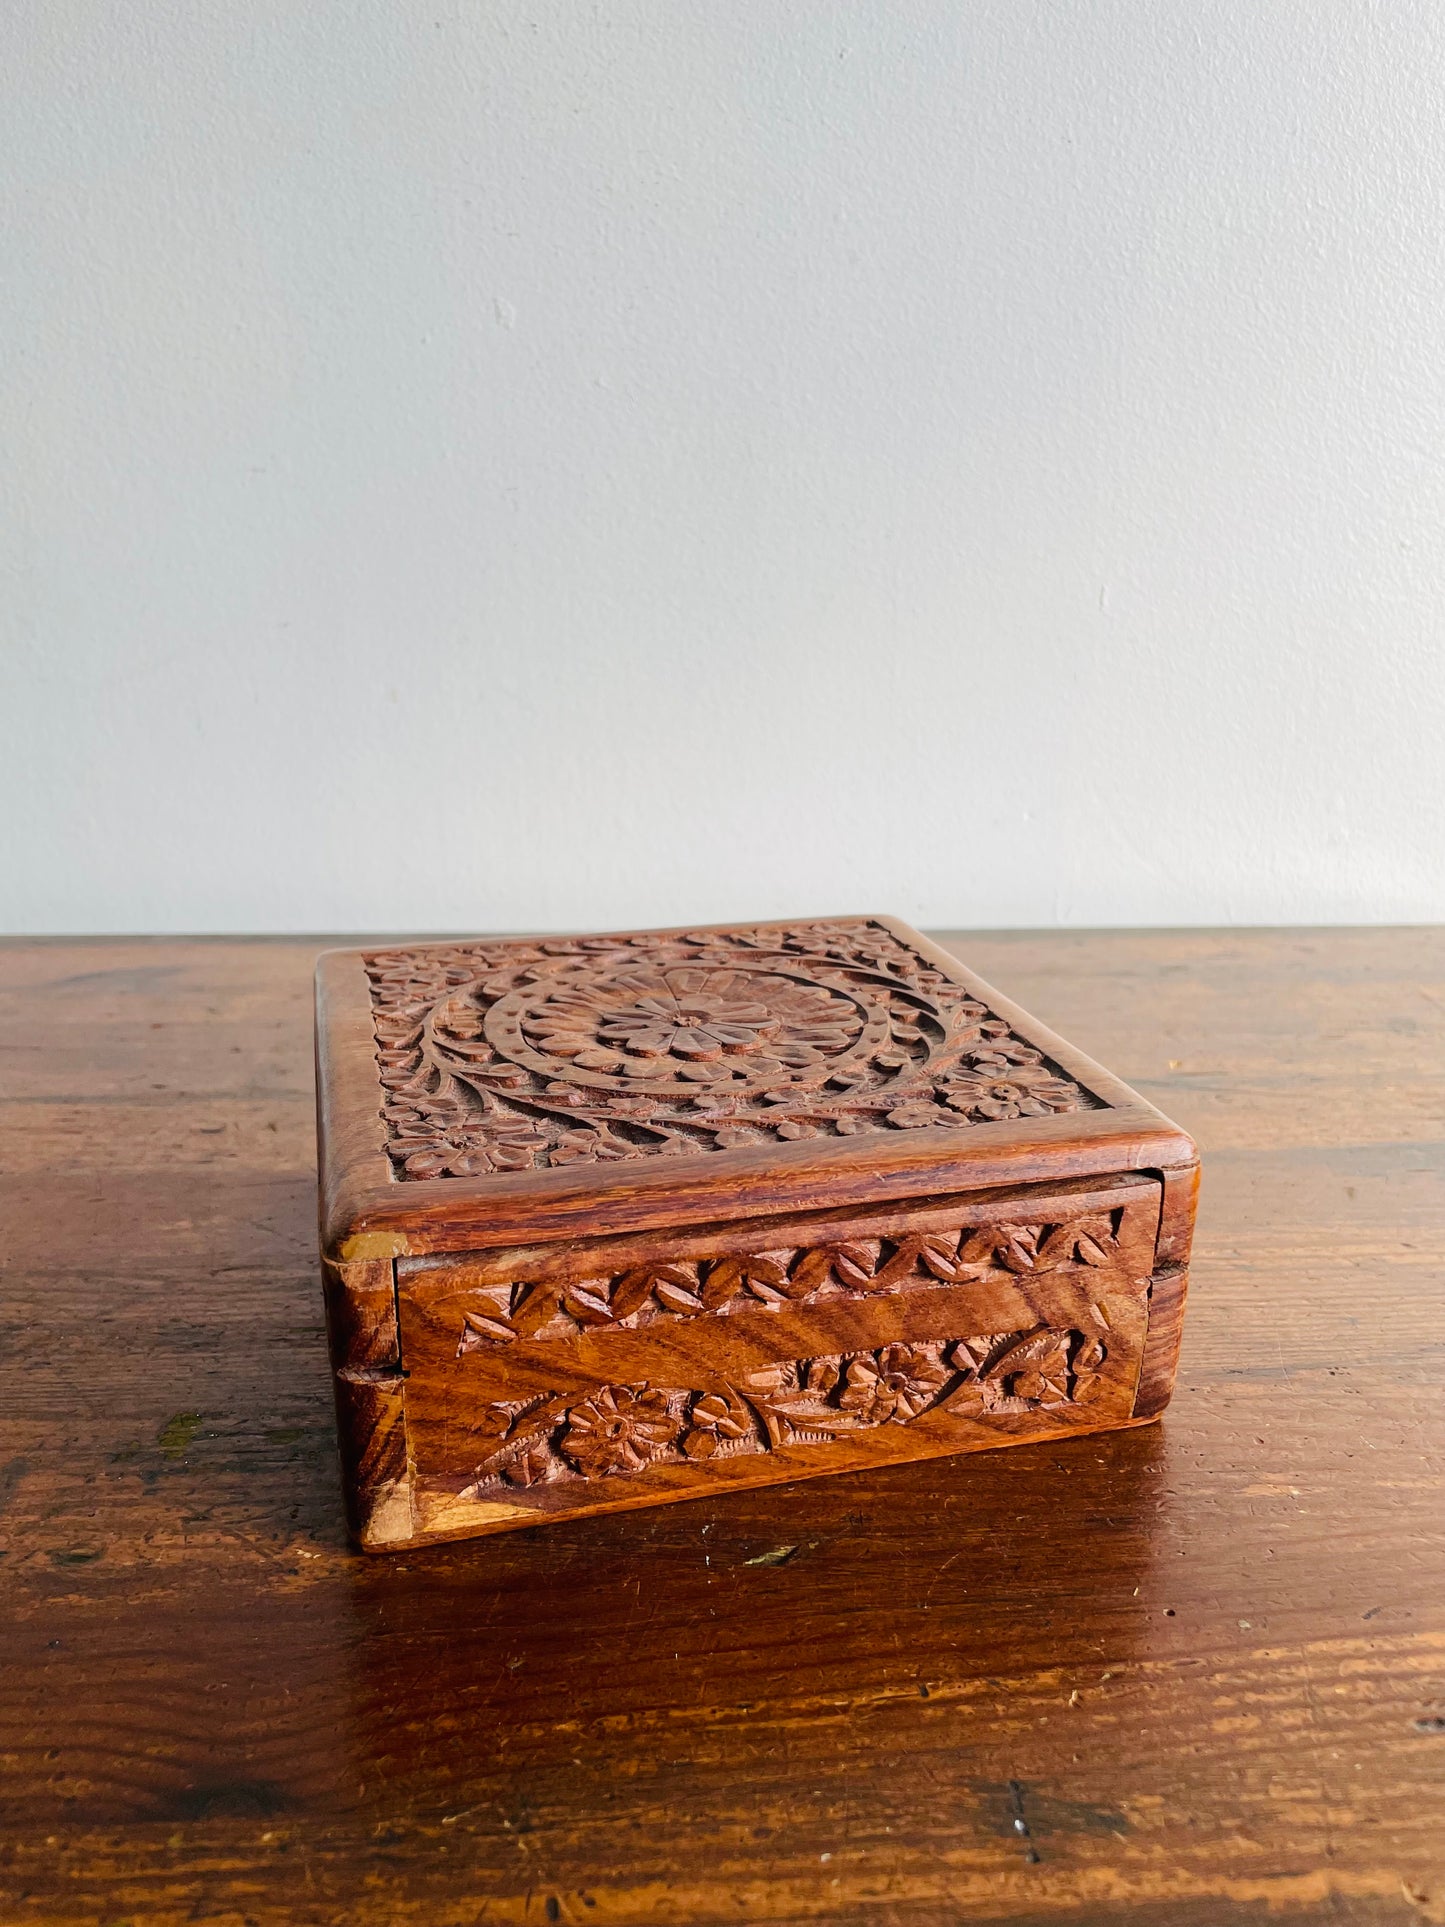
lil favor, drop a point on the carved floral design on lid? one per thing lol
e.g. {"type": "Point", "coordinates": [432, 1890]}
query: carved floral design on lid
{"type": "Point", "coordinates": [522, 1055]}
{"type": "Point", "coordinates": [646, 1022]}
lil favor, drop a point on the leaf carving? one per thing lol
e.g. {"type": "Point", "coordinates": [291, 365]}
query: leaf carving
{"type": "Point", "coordinates": [631, 1292]}
{"type": "Point", "coordinates": [1090, 1240]}
{"type": "Point", "coordinates": [977, 1249]}
{"type": "Point", "coordinates": [536, 1306]}
{"type": "Point", "coordinates": [676, 1297]}
{"type": "Point", "coordinates": [1058, 1247]}
{"type": "Point", "coordinates": [1017, 1249]}
{"type": "Point", "coordinates": [479, 1330]}
{"type": "Point", "coordinates": [940, 1256]}
{"type": "Point", "coordinates": [764, 1273]}
{"type": "Point", "coordinates": [813, 1269]}
{"type": "Point", "coordinates": [587, 1302]}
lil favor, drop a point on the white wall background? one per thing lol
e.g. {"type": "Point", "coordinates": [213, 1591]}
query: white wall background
{"type": "Point", "coordinates": [494, 465]}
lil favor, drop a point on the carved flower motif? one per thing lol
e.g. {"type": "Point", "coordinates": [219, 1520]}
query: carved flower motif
{"type": "Point", "coordinates": [690, 1017]}
{"type": "Point", "coordinates": [896, 1384]}
{"type": "Point", "coordinates": [461, 1151]}
{"type": "Point", "coordinates": [1003, 1090]}
{"type": "Point", "coordinates": [691, 1027]}
{"type": "Point", "coordinates": [1043, 1377]}
{"type": "Point", "coordinates": [638, 1108]}
{"type": "Point", "coordinates": [586, 1147]}
{"type": "Point", "coordinates": [618, 1430]}
{"type": "Point", "coordinates": [717, 1418]}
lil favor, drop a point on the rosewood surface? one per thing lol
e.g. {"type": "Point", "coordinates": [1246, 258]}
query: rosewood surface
{"type": "Point", "coordinates": [830, 1199]}
{"type": "Point", "coordinates": [1190, 1673]}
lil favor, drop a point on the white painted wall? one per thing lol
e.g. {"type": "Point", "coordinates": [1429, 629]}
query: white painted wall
{"type": "Point", "coordinates": [494, 465]}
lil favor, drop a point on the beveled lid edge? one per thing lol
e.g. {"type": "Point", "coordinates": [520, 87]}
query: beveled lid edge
{"type": "Point", "coordinates": [367, 1213]}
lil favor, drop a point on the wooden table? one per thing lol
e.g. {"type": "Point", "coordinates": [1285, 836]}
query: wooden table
{"type": "Point", "coordinates": [1192, 1674]}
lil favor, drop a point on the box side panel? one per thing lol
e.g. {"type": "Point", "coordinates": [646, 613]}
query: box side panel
{"type": "Point", "coordinates": [361, 1328]}
{"type": "Point", "coordinates": [1167, 1294]}
{"type": "Point", "coordinates": [1167, 1291]}
{"type": "Point", "coordinates": [545, 1383]}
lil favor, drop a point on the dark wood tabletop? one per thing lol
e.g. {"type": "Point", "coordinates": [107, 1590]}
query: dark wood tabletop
{"type": "Point", "coordinates": [1190, 1674]}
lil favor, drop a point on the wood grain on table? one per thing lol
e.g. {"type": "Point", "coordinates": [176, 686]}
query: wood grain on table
{"type": "Point", "coordinates": [1192, 1674]}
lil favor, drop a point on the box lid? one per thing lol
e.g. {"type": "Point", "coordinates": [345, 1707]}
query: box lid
{"type": "Point", "coordinates": [481, 1093]}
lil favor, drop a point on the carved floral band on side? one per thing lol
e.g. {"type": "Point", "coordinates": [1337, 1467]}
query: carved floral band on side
{"type": "Point", "coordinates": [497, 1057]}
{"type": "Point", "coordinates": [624, 1429]}
{"type": "Point", "coordinates": [864, 1267]}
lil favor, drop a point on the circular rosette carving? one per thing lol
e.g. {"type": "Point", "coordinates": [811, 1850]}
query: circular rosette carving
{"type": "Point", "coordinates": [684, 1027]}
{"type": "Point", "coordinates": [619, 1430]}
{"type": "Point", "coordinates": [1006, 1081]}
{"type": "Point", "coordinates": [896, 1383]}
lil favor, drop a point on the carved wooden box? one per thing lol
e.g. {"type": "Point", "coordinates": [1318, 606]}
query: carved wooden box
{"type": "Point", "coordinates": [611, 1221]}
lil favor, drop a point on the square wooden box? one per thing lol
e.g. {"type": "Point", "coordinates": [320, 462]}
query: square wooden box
{"type": "Point", "coordinates": [611, 1221]}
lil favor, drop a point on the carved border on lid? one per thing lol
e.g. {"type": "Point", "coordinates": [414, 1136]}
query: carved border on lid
{"type": "Point", "coordinates": [532, 1055]}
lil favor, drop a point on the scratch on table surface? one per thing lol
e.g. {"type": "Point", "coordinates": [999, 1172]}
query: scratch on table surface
{"type": "Point", "coordinates": [950, 1560]}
